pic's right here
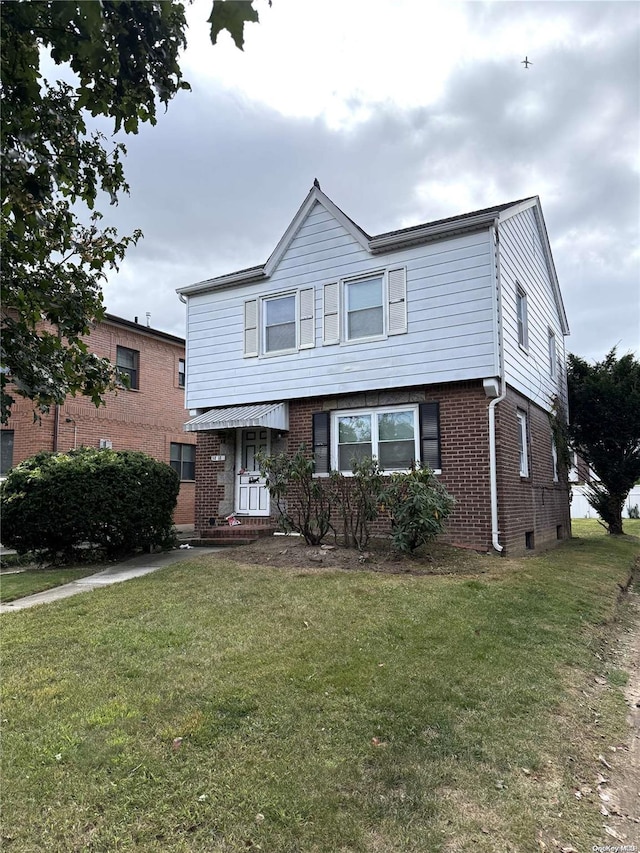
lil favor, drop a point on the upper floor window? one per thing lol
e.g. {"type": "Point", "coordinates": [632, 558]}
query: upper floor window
{"type": "Point", "coordinates": [372, 306]}
{"type": "Point", "coordinates": [521, 313]}
{"type": "Point", "coordinates": [364, 308]}
{"type": "Point", "coordinates": [553, 355]}
{"type": "Point", "coordinates": [181, 372]}
{"type": "Point", "coordinates": [183, 460]}
{"type": "Point", "coordinates": [279, 323]}
{"type": "Point", "coordinates": [279, 318]}
{"type": "Point", "coordinates": [128, 364]}
{"type": "Point", "coordinates": [523, 443]}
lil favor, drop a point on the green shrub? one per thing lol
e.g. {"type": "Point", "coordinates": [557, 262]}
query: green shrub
{"type": "Point", "coordinates": [303, 502]}
{"type": "Point", "coordinates": [419, 505]}
{"type": "Point", "coordinates": [357, 500]}
{"type": "Point", "coordinates": [116, 501]}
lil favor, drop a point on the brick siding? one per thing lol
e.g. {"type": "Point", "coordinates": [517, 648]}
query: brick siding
{"type": "Point", "coordinates": [148, 419]}
{"type": "Point", "coordinates": [535, 504]}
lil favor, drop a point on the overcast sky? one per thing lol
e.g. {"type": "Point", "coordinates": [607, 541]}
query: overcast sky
{"type": "Point", "coordinates": [406, 111]}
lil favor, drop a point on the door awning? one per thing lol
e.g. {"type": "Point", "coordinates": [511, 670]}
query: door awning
{"type": "Point", "coordinates": [270, 415]}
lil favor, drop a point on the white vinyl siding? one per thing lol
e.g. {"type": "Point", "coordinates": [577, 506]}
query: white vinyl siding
{"type": "Point", "coordinates": [522, 262]}
{"type": "Point", "coordinates": [443, 295]}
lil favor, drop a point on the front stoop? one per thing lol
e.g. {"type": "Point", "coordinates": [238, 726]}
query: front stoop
{"type": "Point", "coordinates": [242, 534]}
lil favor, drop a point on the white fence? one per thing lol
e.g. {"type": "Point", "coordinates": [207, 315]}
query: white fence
{"type": "Point", "coordinates": [580, 507]}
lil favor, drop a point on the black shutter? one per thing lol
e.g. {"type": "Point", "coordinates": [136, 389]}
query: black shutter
{"type": "Point", "coordinates": [321, 448]}
{"type": "Point", "coordinates": [430, 435]}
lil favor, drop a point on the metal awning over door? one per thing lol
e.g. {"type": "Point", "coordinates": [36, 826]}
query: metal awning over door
{"type": "Point", "coordinates": [269, 415]}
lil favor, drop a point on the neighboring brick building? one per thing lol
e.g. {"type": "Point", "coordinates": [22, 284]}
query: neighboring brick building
{"type": "Point", "coordinates": [441, 343]}
{"type": "Point", "coordinates": [149, 416]}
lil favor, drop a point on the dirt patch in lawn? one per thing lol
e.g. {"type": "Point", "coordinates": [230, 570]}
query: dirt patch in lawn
{"type": "Point", "coordinates": [292, 552]}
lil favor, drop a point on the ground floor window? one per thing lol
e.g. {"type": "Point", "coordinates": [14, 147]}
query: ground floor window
{"type": "Point", "coordinates": [183, 460]}
{"type": "Point", "coordinates": [6, 451]}
{"type": "Point", "coordinates": [396, 436]}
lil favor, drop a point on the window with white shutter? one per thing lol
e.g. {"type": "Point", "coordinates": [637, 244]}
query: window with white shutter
{"type": "Point", "coordinates": [397, 299]}
{"type": "Point", "coordinates": [331, 314]}
{"type": "Point", "coordinates": [251, 327]}
{"type": "Point", "coordinates": [306, 318]}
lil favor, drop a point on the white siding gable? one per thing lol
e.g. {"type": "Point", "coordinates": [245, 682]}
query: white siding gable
{"type": "Point", "coordinates": [524, 267]}
{"type": "Point", "coordinates": [440, 318]}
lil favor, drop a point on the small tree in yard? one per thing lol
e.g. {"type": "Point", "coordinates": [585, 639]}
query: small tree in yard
{"type": "Point", "coordinates": [604, 428]}
{"type": "Point", "coordinates": [419, 505]}
{"type": "Point", "coordinates": [116, 501]}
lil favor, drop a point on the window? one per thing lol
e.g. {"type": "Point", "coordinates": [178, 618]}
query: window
{"type": "Point", "coordinates": [396, 437]}
{"type": "Point", "coordinates": [522, 443]}
{"type": "Point", "coordinates": [521, 312]}
{"type": "Point", "coordinates": [127, 364]}
{"type": "Point", "coordinates": [370, 307]}
{"type": "Point", "coordinates": [363, 308]}
{"type": "Point", "coordinates": [183, 460]}
{"type": "Point", "coordinates": [280, 323]}
{"type": "Point", "coordinates": [181, 372]}
{"type": "Point", "coordinates": [279, 316]}
{"type": "Point", "coordinates": [6, 451]}
{"type": "Point", "coordinates": [553, 358]}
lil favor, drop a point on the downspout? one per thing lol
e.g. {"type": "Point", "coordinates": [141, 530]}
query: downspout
{"type": "Point", "coordinates": [493, 466]}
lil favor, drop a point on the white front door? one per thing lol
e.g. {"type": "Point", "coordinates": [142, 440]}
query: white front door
{"type": "Point", "coordinates": [252, 495]}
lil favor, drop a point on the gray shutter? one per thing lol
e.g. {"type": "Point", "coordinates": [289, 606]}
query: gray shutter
{"type": "Point", "coordinates": [397, 296]}
{"type": "Point", "coordinates": [331, 314]}
{"type": "Point", "coordinates": [430, 435]}
{"type": "Point", "coordinates": [307, 321]}
{"type": "Point", "coordinates": [251, 327]}
{"type": "Point", "coordinates": [321, 442]}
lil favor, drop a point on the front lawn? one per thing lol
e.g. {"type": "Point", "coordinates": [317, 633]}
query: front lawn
{"type": "Point", "coordinates": [18, 584]}
{"type": "Point", "coordinates": [215, 706]}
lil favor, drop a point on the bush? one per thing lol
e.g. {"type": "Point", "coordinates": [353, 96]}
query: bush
{"type": "Point", "coordinates": [303, 502]}
{"type": "Point", "coordinates": [419, 505]}
{"type": "Point", "coordinates": [116, 501]}
{"type": "Point", "coordinates": [357, 500]}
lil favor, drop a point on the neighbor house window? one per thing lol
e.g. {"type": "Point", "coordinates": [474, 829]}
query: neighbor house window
{"type": "Point", "coordinates": [553, 356]}
{"type": "Point", "coordinates": [181, 372]}
{"type": "Point", "coordinates": [279, 315]}
{"type": "Point", "coordinates": [522, 443]}
{"type": "Point", "coordinates": [521, 312]}
{"type": "Point", "coordinates": [364, 308]}
{"type": "Point", "coordinates": [128, 364]}
{"type": "Point", "coordinates": [183, 460]}
{"type": "Point", "coordinates": [6, 451]}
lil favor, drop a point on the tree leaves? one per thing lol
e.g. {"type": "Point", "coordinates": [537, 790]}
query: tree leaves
{"type": "Point", "coordinates": [231, 15]}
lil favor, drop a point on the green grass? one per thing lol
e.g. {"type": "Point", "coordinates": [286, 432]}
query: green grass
{"type": "Point", "coordinates": [318, 711]}
{"type": "Point", "coordinates": [15, 585]}
{"type": "Point", "coordinates": [591, 527]}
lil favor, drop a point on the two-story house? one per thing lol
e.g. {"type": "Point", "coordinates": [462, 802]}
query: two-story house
{"type": "Point", "coordinates": [441, 343]}
{"type": "Point", "coordinates": [148, 415]}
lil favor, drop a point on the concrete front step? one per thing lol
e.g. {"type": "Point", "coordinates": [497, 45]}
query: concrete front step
{"type": "Point", "coordinates": [242, 534]}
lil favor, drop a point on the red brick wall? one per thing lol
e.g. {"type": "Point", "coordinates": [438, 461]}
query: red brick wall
{"type": "Point", "coordinates": [534, 504]}
{"type": "Point", "coordinates": [148, 419]}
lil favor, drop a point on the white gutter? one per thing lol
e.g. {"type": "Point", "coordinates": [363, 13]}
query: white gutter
{"type": "Point", "coordinates": [493, 467]}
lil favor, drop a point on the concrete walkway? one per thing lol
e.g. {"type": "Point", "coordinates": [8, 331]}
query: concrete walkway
{"type": "Point", "coordinates": [143, 564]}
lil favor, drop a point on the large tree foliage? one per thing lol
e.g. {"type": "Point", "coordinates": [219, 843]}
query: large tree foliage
{"type": "Point", "coordinates": [604, 428]}
{"type": "Point", "coordinates": [124, 55]}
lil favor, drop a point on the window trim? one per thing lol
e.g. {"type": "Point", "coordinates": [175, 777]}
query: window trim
{"type": "Point", "coordinates": [133, 386]}
{"type": "Point", "coordinates": [553, 354]}
{"type": "Point", "coordinates": [522, 318]}
{"type": "Point", "coordinates": [345, 283]}
{"type": "Point", "coordinates": [374, 411]}
{"type": "Point", "coordinates": [523, 443]}
{"type": "Point", "coordinates": [274, 297]}
{"type": "Point", "coordinates": [181, 462]}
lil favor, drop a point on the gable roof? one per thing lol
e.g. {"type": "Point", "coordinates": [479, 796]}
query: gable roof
{"type": "Point", "coordinates": [388, 240]}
